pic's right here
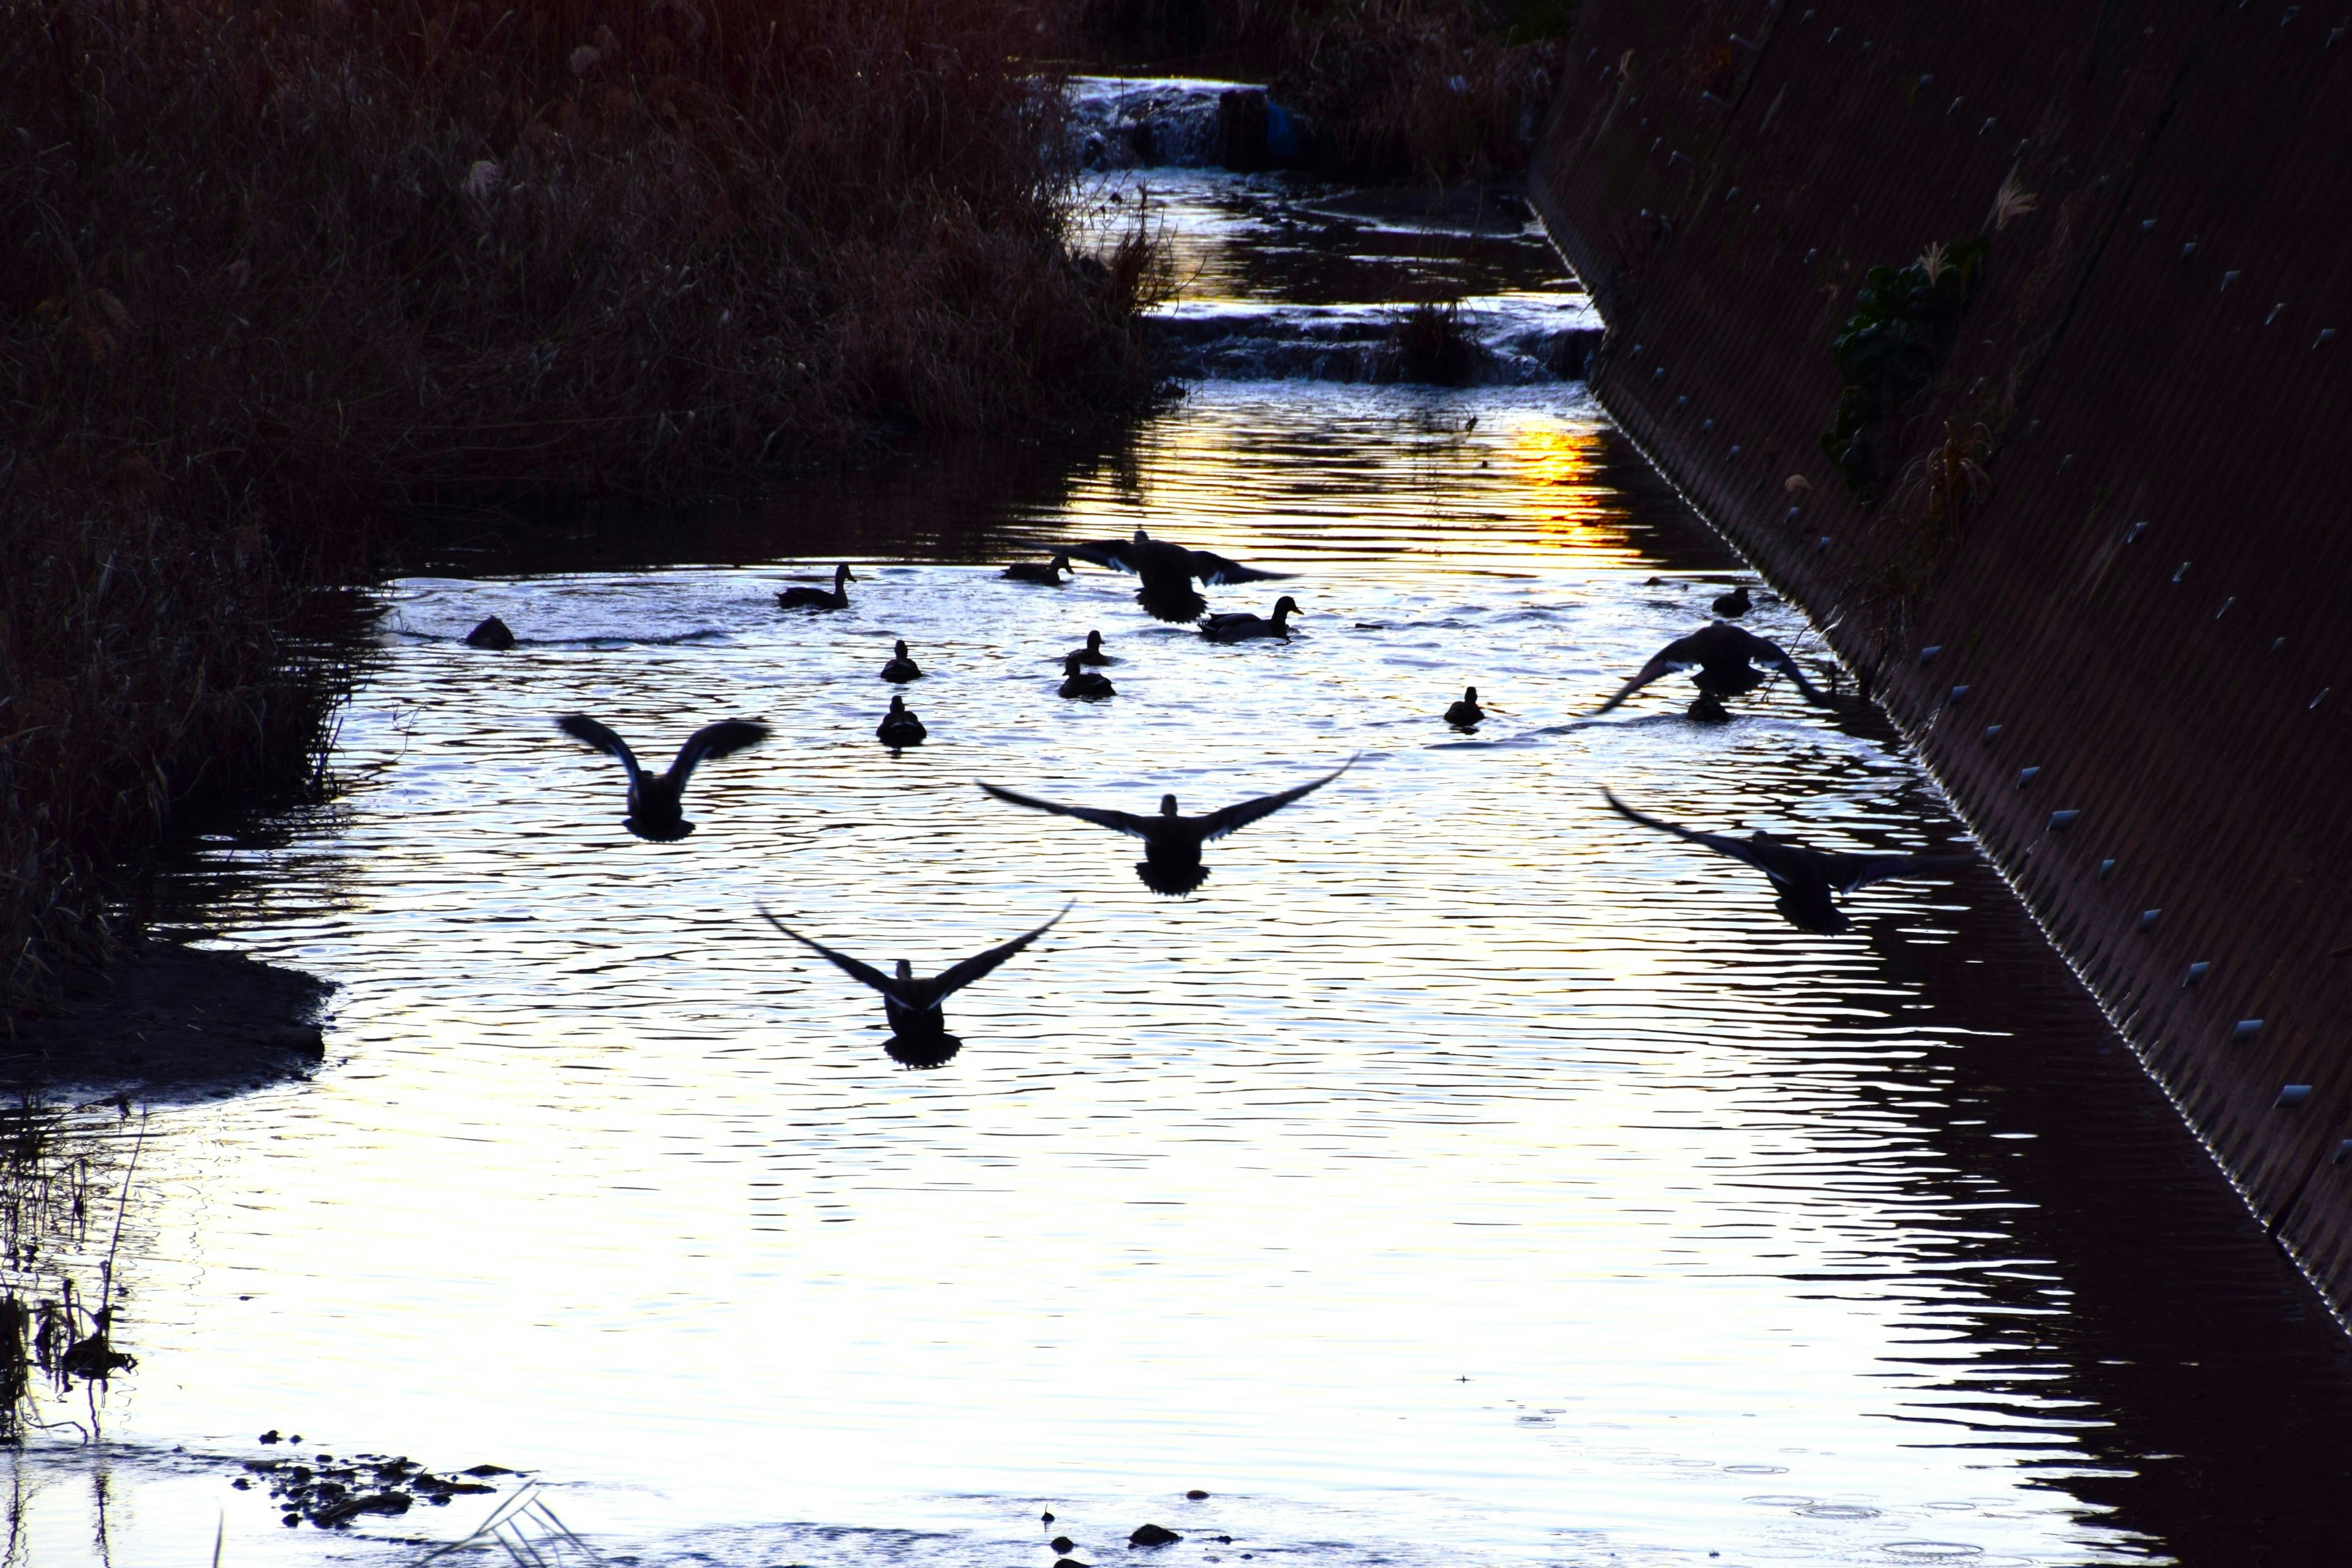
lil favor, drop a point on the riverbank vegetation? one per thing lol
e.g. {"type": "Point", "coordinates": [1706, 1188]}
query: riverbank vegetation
{"type": "Point", "coordinates": [1439, 89]}
{"type": "Point", "coordinates": [280, 267]}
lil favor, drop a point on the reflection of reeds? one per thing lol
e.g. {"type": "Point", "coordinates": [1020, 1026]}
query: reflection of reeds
{"type": "Point", "coordinates": [275, 266]}
{"type": "Point", "coordinates": [53, 1166]}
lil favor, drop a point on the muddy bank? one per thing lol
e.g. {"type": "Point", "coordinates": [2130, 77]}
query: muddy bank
{"type": "Point", "coordinates": [171, 1019]}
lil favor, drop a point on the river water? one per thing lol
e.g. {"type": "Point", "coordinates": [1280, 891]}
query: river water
{"type": "Point", "coordinates": [1460, 1174]}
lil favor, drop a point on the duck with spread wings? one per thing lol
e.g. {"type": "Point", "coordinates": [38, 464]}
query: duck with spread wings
{"type": "Point", "coordinates": [918, 1032]}
{"type": "Point", "coordinates": [1171, 841]}
{"type": "Point", "coordinates": [657, 801]}
{"type": "Point", "coordinates": [1804, 878]}
{"type": "Point", "coordinates": [1726, 657]}
{"type": "Point", "coordinates": [1168, 572]}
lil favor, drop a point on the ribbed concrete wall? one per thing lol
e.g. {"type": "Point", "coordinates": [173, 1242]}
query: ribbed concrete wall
{"type": "Point", "coordinates": [2164, 338]}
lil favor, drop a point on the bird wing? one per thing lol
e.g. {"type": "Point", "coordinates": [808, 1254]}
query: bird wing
{"type": "Point", "coordinates": [1117, 821]}
{"type": "Point", "coordinates": [580, 727]}
{"type": "Point", "coordinates": [1217, 823]}
{"type": "Point", "coordinates": [1675, 655]}
{"type": "Point", "coordinates": [1847, 872]}
{"type": "Point", "coordinates": [1763, 650]}
{"type": "Point", "coordinates": [1218, 572]}
{"type": "Point", "coordinates": [723, 739]}
{"type": "Point", "coordinates": [954, 980]}
{"type": "Point", "coordinates": [1737, 848]}
{"type": "Point", "coordinates": [863, 972]}
{"type": "Point", "coordinates": [1115, 554]}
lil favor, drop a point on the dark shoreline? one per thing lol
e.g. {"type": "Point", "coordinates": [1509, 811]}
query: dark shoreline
{"type": "Point", "coordinates": [170, 1018]}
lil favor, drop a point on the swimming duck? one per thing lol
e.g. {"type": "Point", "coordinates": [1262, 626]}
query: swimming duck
{"type": "Point", "coordinates": [1093, 652]}
{"type": "Point", "coordinates": [493, 633]}
{"type": "Point", "coordinates": [1466, 713]}
{"type": "Point", "coordinates": [901, 669]}
{"type": "Point", "coordinates": [900, 726]}
{"type": "Point", "coordinates": [1240, 626]}
{"type": "Point", "coordinates": [1734, 605]}
{"type": "Point", "coordinates": [913, 1006]}
{"type": "Point", "coordinates": [655, 808]}
{"type": "Point", "coordinates": [1804, 878]}
{"type": "Point", "coordinates": [1168, 572]}
{"type": "Point", "coordinates": [1049, 573]}
{"type": "Point", "coordinates": [1722, 652]}
{"type": "Point", "coordinates": [1084, 682]}
{"type": "Point", "coordinates": [1172, 842]}
{"type": "Point", "coordinates": [802, 597]}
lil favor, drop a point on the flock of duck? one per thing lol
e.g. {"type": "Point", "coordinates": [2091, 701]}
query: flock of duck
{"type": "Point", "coordinates": [1726, 660]}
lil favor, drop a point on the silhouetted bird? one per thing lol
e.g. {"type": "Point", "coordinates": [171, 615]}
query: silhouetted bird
{"type": "Point", "coordinates": [806, 598]}
{"type": "Point", "coordinates": [900, 726]}
{"type": "Point", "coordinates": [1092, 652]}
{"type": "Point", "coordinates": [1082, 681]}
{"type": "Point", "coordinates": [1722, 652]}
{"type": "Point", "coordinates": [1466, 712]}
{"type": "Point", "coordinates": [1240, 626]}
{"type": "Point", "coordinates": [1172, 842]}
{"type": "Point", "coordinates": [1168, 572]}
{"type": "Point", "coordinates": [493, 633]}
{"type": "Point", "coordinates": [656, 811]}
{"type": "Point", "coordinates": [1048, 573]}
{"type": "Point", "coordinates": [1734, 605]}
{"type": "Point", "coordinates": [902, 667]}
{"type": "Point", "coordinates": [92, 1359]}
{"type": "Point", "coordinates": [1804, 878]}
{"type": "Point", "coordinates": [919, 1027]}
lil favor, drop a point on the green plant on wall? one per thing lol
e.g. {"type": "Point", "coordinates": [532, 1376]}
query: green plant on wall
{"type": "Point", "coordinates": [1902, 327]}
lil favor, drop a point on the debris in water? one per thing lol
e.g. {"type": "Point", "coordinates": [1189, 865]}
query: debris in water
{"type": "Point", "coordinates": [1153, 1535]}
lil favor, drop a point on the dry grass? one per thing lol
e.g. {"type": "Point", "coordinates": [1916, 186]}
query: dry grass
{"type": "Point", "coordinates": [1445, 89]}
{"type": "Point", "coordinates": [277, 264]}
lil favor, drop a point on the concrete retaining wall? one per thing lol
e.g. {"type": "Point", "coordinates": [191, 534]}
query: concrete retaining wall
{"type": "Point", "coordinates": [2145, 579]}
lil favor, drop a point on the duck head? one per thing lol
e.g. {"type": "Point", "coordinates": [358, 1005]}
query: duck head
{"type": "Point", "coordinates": [1061, 562]}
{"type": "Point", "coordinates": [1071, 664]}
{"type": "Point", "coordinates": [842, 574]}
{"type": "Point", "coordinates": [899, 648]}
{"type": "Point", "coordinates": [1470, 695]}
{"type": "Point", "coordinates": [898, 706]}
{"type": "Point", "coordinates": [1167, 806]}
{"type": "Point", "coordinates": [1093, 641]}
{"type": "Point", "coordinates": [906, 970]}
{"type": "Point", "coordinates": [1285, 606]}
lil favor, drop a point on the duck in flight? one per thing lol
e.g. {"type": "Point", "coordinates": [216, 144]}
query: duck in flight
{"type": "Point", "coordinates": [802, 597]}
{"type": "Point", "coordinates": [1048, 573]}
{"type": "Point", "coordinates": [1723, 654]}
{"type": "Point", "coordinates": [1240, 626]}
{"type": "Point", "coordinates": [1083, 682]}
{"type": "Point", "coordinates": [1734, 605]}
{"type": "Point", "coordinates": [1803, 879]}
{"type": "Point", "coordinates": [1093, 652]}
{"type": "Point", "coordinates": [655, 800]}
{"type": "Point", "coordinates": [918, 1029]}
{"type": "Point", "coordinates": [902, 667]}
{"type": "Point", "coordinates": [1171, 841]}
{"type": "Point", "coordinates": [900, 726]}
{"type": "Point", "coordinates": [1168, 572]}
{"type": "Point", "coordinates": [1466, 714]}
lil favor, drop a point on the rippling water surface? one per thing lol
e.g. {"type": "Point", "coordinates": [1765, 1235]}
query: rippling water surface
{"type": "Point", "coordinates": [1462, 1175]}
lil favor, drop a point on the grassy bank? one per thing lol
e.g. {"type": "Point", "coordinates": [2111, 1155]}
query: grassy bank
{"type": "Point", "coordinates": [280, 265]}
{"type": "Point", "coordinates": [1442, 90]}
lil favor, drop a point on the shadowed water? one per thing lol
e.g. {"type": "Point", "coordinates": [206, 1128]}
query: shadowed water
{"type": "Point", "coordinates": [1462, 1173]}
